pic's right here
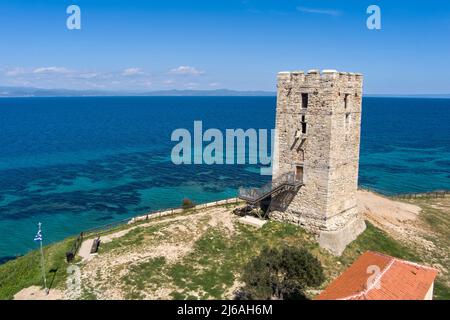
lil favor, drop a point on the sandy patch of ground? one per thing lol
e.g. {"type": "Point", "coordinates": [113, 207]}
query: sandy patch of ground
{"type": "Point", "coordinates": [399, 219]}
{"type": "Point", "coordinates": [410, 224]}
{"type": "Point", "coordinates": [36, 293]}
{"type": "Point", "coordinates": [386, 210]}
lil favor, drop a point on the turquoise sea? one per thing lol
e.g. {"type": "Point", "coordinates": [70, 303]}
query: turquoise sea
{"type": "Point", "coordinates": [77, 163]}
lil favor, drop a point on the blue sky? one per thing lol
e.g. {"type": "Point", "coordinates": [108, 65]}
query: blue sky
{"type": "Point", "coordinates": [234, 44]}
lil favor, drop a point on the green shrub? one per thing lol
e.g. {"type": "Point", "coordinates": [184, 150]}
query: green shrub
{"type": "Point", "coordinates": [281, 274]}
{"type": "Point", "coordinates": [187, 204]}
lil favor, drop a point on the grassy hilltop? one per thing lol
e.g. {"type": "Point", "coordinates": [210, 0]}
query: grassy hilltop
{"type": "Point", "coordinates": [201, 255]}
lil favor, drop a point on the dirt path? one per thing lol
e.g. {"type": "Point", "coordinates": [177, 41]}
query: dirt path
{"type": "Point", "coordinates": [85, 250]}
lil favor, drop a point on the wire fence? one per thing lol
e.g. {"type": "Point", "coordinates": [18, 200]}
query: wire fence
{"type": "Point", "coordinates": [427, 195]}
{"type": "Point", "coordinates": [411, 195]}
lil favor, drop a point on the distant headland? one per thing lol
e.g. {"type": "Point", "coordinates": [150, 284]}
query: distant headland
{"type": "Point", "coordinates": [38, 92]}
{"type": "Point", "coordinates": [12, 92]}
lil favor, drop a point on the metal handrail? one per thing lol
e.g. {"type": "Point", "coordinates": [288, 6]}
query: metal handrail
{"type": "Point", "coordinates": [255, 194]}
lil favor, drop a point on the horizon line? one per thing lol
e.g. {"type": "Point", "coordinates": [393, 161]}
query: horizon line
{"type": "Point", "coordinates": [131, 93]}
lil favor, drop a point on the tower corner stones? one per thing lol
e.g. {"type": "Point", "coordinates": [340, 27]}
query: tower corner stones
{"type": "Point", "coordinates": [318, 121]}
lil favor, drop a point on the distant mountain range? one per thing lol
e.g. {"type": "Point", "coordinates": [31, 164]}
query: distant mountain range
{"type": "Point", "coordinates": [36, 92]}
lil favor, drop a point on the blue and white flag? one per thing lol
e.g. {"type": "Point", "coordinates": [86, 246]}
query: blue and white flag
{"type": "Point", "coordinates": [38, 236]}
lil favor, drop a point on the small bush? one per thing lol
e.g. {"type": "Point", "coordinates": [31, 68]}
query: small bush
{"type": "Point", "coordinates": [281, 274]}
{"type": "Point", "coordinates": [187, 204]}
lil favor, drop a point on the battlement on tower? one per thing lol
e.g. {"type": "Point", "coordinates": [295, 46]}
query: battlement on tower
{"type": "Point", "coordinates": [312, 76]}
{"type": "Point", "coordinates": [325, 91]}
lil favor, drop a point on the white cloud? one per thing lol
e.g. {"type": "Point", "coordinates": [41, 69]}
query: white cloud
{"type": "Point", "coordinates": [132, 72]}
{"type": "Point", "coordinates": [328, 12]}
{"type": "Point", "coordinates": [46, 70]}
{"type": "Point", "coordinates": [186, 70]}
{"type": "Point", "coordinates": [131, 78]}
{"type": "Point", "coordinates": [42, 70]}
{"type": "Point", "coordinates": [15, 72]}
{"type": "Point", "coordinates": [88, 75]}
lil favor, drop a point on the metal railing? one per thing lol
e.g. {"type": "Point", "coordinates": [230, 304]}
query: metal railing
{"type": "Point", "coordinates": [105, 228]}
{"type": "Point", "coordinates": [257, 194]}
{"type": "Point", "coordinates": [70, 255]}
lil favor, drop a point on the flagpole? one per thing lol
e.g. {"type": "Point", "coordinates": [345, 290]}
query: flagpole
{"type": "Point", "coordinates": [43, 263]}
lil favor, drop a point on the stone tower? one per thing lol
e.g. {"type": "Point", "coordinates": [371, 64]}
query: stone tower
{"type": "Point", "coordinates": [318, 124]}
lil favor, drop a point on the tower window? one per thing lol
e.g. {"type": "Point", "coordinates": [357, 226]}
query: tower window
{"type": "Point", "coordinates": [346, 101]}
{"type": "Point", "coordinates": [299, 173]}
{"type": "Point", "coordinates": [303, 124]}
{"type": "Point", "coordinates": [347, 120]}
{"type": "Point", "coordinates": [304, 100]}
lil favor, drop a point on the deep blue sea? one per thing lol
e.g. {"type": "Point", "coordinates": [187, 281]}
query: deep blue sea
{"type": "Point", "coordinates": [77, 163]}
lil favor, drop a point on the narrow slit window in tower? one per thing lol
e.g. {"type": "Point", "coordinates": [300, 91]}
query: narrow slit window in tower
{"type": "Point", "coordinates": [303, 124]}
{"type": "Point", "coordinates": [346, 101]}
{"type": "Point", "coordinates": [304, 100]}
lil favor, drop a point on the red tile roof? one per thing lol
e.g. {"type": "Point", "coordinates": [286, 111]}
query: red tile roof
{"type": "Point", "coordinates": [375, 276]}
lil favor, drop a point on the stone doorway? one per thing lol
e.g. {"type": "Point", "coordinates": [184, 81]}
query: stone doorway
{"type": "Point", "coordinates": [299, 173]}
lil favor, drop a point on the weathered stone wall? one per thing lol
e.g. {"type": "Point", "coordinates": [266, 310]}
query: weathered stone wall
{"type": "Point", "coordinates": [328, 150]}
